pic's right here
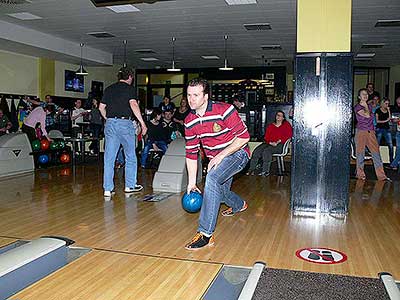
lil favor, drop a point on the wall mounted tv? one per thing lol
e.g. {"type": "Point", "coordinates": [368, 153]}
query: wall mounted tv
{"type": "Point", "coordinates": [73, 82]}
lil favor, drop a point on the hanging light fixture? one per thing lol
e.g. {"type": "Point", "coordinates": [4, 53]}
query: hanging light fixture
{"type": "Point", "coordinates": [81, 70]}
{"type": "Point", "coordinates": [173, 69]}
{"type": "Point", "coordinates": [225, 67]}
{"type": "Point", "coordinates": [125, 42]}
{"type": "Point", "coordinates": [263, 76]}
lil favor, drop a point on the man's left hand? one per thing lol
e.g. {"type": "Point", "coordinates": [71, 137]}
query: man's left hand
{"type": "Point", "coordinates": [214, 162]}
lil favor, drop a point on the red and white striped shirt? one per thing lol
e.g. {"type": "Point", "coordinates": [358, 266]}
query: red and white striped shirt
{"type": "Point", "coordinates": [215, 130]}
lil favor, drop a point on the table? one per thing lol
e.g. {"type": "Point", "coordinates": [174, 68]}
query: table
{"type": "Point", "coordinates": [82, 141]}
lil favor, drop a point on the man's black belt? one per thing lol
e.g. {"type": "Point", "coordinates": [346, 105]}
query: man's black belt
{"type": "Point", "coordinates": [123, 118]}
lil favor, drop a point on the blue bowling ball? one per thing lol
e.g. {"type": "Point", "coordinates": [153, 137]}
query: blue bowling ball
{"type": "Point", "coordinates": [43, 159]}
{"type": "Point", "coordinates": [192, 202]}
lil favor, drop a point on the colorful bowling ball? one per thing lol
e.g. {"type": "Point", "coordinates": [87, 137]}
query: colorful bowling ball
{"type": "Point", "coordinates": [35, 145]}
{"type": "Point", "coordinates": [44, 144]}
{"type": "Point", "coordinates": [192, 202]}
{"type": "Point", "coordinates": [43, 159]}
{"type": "Point", "coordinates": [65, 158]}
{"type": "Point", "coordinates": [54, 145]}
{"type": "Point", "coordinates": [61, 144]}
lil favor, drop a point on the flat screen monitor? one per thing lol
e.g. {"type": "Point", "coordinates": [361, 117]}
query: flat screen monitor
{"type": "Point", "coordinates": [73, 82]}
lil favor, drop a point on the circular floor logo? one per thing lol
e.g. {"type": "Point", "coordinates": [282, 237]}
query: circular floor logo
{"type": "Point", "coordinates": [323, 256]}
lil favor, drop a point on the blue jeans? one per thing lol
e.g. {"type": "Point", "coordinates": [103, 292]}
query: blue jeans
{"type": "Point", "coordinates": [148, 146]}
{"type": "Point", "coordinates": [388, 138]}
{"type": "Point", "coordinates": [117, 132]}
{"type": "Point", "coordinates": [121, 156]}
{"type": "Point", "coordinates": [395, 163]}
{"type": "Point", "coordinates": [218, 189]}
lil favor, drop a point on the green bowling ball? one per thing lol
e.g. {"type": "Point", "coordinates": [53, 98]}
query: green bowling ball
{"type": "Point", "coordinates": [54, 145]}
{"type": "Point", "coordinates": [61, 144]}
{"type": "Point", "coordinates": [36, 145]}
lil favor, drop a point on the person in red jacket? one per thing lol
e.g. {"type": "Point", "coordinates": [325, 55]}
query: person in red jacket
{"type": "Point", "coordinates": [276, 134]}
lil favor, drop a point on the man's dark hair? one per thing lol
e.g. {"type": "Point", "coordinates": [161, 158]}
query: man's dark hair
{"type": "Point", "coordinates": [124, 73]}
{"type": "Point", "coordinates": [156, 112]}
{"type": "Point", "coordinates": [202, 82]}
{"type": "Point", "coordinates": [370, 83]}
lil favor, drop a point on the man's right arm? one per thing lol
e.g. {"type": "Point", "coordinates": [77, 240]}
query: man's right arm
{"type": "Point", "coordinates": [102, 109]}
{"type": "Point", "coordinates": [136, 110]}
{"type": "Point", "coordinates": [191, 165]}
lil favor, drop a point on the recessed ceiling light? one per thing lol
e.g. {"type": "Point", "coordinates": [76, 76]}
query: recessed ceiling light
{"type": "Point", "coordinates": [145, 51]}
{"type": "Point", "coordinates": [278, 60]}
{"type": "Point", "coordinates": [362, 58]}
{"type": "Point", "coordinates": [372, 46]}
{"type": "Point", "coordinates": [25, 16]}
{"type": "Point", "coordinates": [240, 2]}
{"type": "Point", "coordinates": [257, 26]}
{"type": "Point", "coordinates": [123, 8]}
{"type": "Point", "coordinates": [101, 34]}
{"type": "Point", "coordinates": [149, 58]}
{"type": "Point", "coordinates": [370, 55]}
{"type": "Point", "coordinates": [387, 23]}
{"type": "Point", "coordinates": [210, 57]}
{"type": "Point", "coordinates": [271, 47]}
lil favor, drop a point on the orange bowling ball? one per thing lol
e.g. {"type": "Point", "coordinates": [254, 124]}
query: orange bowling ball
{"type": "Point", "coordinates": [44, 144]}
{"type": "Point", "coordinates": [65, 158]}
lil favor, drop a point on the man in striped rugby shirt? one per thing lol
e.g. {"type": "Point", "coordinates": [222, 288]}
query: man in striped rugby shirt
{"type": "Point", "coordinates": [224, 136]}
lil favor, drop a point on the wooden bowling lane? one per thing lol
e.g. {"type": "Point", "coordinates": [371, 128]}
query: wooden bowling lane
{"type": "Point", "coordinates": [117, 276]}
{"type": "Point", "coordinates": [73, 206]}
{"type": "Point", "coordinates": [6, 241]}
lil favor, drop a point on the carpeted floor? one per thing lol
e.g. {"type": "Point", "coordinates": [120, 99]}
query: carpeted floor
{"type": "Point", "coordinates": [276, 284]}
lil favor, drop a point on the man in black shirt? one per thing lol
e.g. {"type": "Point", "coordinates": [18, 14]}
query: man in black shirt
{"type": "Point", "coordinates": [117, 105]}
{"type": "Point", "coordinates": [169, 126]}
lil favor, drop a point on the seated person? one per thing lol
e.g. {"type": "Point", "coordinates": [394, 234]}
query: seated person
{"type": "Point", "coordinates": [5, 124]}
{"type": "Point", "coordinates": [276, 134]}
{"type": "Point", "coordinates": [155, 137]}
{"type": "Point", "coordinates": [166, 104]}
{"type": "Point", "coordinates": [180, 115]}
{"type": "Point", "coordinates": [170, 127]}
{"type": "Point", "coordinates": [77, 117]}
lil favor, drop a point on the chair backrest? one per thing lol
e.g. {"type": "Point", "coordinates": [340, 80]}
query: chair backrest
{"type": "Point", "coordinates": [56, 134]}
{"type": "Point", "coordinates": [286, 147]}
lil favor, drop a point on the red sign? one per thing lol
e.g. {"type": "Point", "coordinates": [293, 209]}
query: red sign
{"type": "Point", "coordinates": [320, 255]}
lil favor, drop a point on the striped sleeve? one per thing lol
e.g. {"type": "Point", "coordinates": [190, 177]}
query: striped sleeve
{"type": "Point", "coordinates": [235, 123]}
{"type": "Point", "coordinates": [192, 143]}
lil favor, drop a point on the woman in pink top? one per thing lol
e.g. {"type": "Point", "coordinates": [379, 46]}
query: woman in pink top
{"type": "Point", "coordinates": [365, 137]}
{"type": "Point", "coordinates": [36, 118]}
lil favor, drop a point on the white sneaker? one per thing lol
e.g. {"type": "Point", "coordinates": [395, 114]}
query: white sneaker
{"type": "Point", "coordinates": [136, 189]}
{"type": "Point", "coordinates": [108, 193]}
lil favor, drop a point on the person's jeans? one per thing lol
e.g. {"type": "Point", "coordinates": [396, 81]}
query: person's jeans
{"type": "Point", "coordinates": [117, 132]}
{"type": "Point", "coordinates": [382, 132]}
{"type": "Point", "coordinates": [121, 156]}
{"type": "Point", "coordinates": [395, 163]}
{"type": "Point", "coordinates": [148, 146]}
{"type": "Point", "coordinates": [217, 189]}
